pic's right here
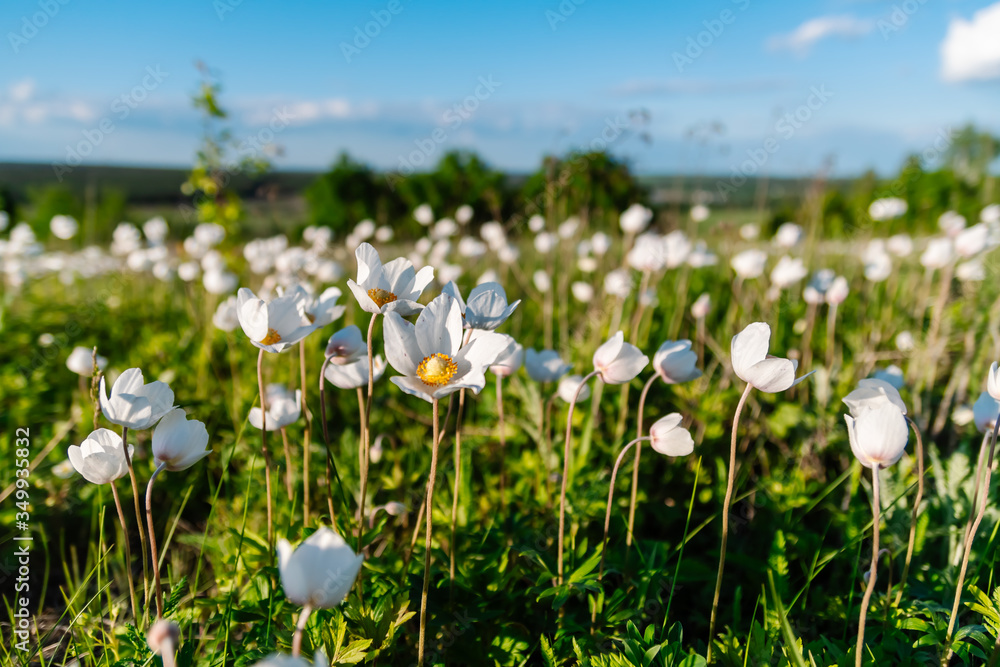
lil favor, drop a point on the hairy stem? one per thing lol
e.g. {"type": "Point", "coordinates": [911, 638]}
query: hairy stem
{"type": "Point", "coordinates": [565, 475]}
{"type": "Point", "coordinates": [859, 648]}
{"type": "Point", "coordinates": [128, 553]}
{"type": "Point", "coordinates": [428, 534]}
{"type": "Point", "coordinates": [152, 540]}
{"type": "Point", "coordinates": [635, 464]}
{"type": "Point", "coordinates": [916, 510]}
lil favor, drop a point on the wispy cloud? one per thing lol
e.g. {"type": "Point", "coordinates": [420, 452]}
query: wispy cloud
{"type": "Point", "coordinates": [678, 86]}
{"type": "Point", "coordinates": [804, 37]}
{"type": "Point", "coordinates": [21, 104]}
{"type": "Point", "coordinates": [971, 49]}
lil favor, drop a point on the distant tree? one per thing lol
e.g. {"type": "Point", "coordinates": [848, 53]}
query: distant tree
{"type": "Point", "coordinates": [51, 200]}
{"type": "Point", "coordinates": [972, 154]}
{"type": "Point", "coordinates": [348, 193]}
{"type": "Point", "coordinates": [460, 178]}
{"type": "Point", "coordinates": [590, 184]}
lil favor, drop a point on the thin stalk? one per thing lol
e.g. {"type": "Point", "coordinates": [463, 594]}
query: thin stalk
{"type": "Point", "coordinates": [859, 648]}
{"type": "Point", "coordinates": [916, 509]}
{"type": "Point", "coordinates": [138, 520]}
{"type": "Point", "coordinates": [565, 475]}
{"type": "Point", "coordinates": [152, 540]}
{"type": "Point", "coordinates": [635, 464]}
{"type": "Point", "coordinates": [288, 464]}
{"type": "Point", "coordinates": [428, 534]}
{"type": "Point", "coordinates": [611, 494]}
{"type": "Point", "coordinates": [458, 480]}
{"type": "Point", "coordinates": [362, 463]}
{"type": "Point", "coordinates": [503, 444]}
{"type": "Point", "coordinates": [307, 439]}
{"type": "Point", "coordinates": [300, 627]}
{"type": "Point", "coordinates": [968, 542]}
{"type": "Point", "coordinates": [128, 553]}
{"type": "Point", "coordinates": [725, 520]}
{"type": "Point", "coordinates": [263, 446]}
{"type": "Point", "coordinates": [167, 652]}
{"type": "Point", "coordinates": [330, 469]}
{"type": "Point", "coordinates": [366, 439]}
{"type": "Point", "coordinates": [831, 332]}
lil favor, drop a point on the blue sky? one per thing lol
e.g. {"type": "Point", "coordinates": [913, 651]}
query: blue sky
{"type": "Point", "coordinates": [869, 80]}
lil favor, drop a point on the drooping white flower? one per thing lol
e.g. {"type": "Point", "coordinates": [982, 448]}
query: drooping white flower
{"type": "Point", "coordinates": [618, 362]}
{"type": "Point", "coordinates": [878, 436]}
{"type": "Point", "coordinates": [283, 408]}
{"type": "Point", "coordinates": [993, 381]}
{"type": "Point", "coordinates": [669, 438]}
{"type": "Point", "coordinates": [430, 354]}
{"type": "Point", "coordinates": [788, 271]}
{"type": "Point", "coordinates": [838, 291]}
{"type": "Point", "coordinates": [81, 361]}
{"type": "Point", "coordinates": [394, 287]}
{"type": "Point", "coordinates": [100, 458]}
{"type": "Point", "coordinates": [675, 362]}
{"type": "Point", "coordinates": [755, 366]}
{"type": "Point", "coordinates": [701, 306]}
{"type": "Point", "coordinates": [788, 235]}
{"type": "Point", "coordinates": [509, 360]}
{"type": "Point", "coordinates": [346, 346]}
{"type": "Point", "coordinates": [320, 572]}
{"type": "Point", "coordinates": [179, 442]}
{"type": "Point", "coordinates": [985, 412]}
{"type": "Point", "coordinates": [354, 374]}
{"type": "Point", "coordinates": [226, 317]}
{"type": "Point", "coordinates": [487, 307]}
{"type": "Point", "coordinates": [873, 393]}
{"type": "Point", "coordinates": [569, 385]}
{"type": "Point", "coordinates": [63, 227]}
{"type": "Point", "coordinates": [545, 365]}
{"type": "Point", "coordinates": [133, 404]}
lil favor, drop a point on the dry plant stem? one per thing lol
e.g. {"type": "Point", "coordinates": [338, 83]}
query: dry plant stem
{"type": "Point", "coordinates": [326, 440]}
{"type": "Point", "coordinates": [458, 480]}
{"type": "Point", "coordinates": [831, 332]}
{"type": "Point", "coordinates": [565, 475]}
{"type": "Point", "coordinates": [423, 501]}
{"type": "Point", "coordinates": [300, 627]}
{"type": "Point", "coordinates": [366, 441]}
{"type": "Point", "coordinates": [128, 553]}
{"type": "Point", "coordinates": [138, 518]}
{"type": "Point", "coordinates": [152, 540]}
{"type": "Point", "coordinates": [859, 647]}
{"type": "Point", "coordinates": [362, 458]}
{"type": "Point", "coordinates": [288, 463]}
{"type": "Point", "coordinates": [503, 444]}
{"type": "Point", "coordinates": [611, 494]}
{"type": "Point", "coordinates": [807, 336]}
{"type": "Point", "coordinates": [307, 438]}
{"type": "Point", "coordinates": [263, 446]}
{"type": "Point", "coordinates": [977, 484]}
{"type": "Point", "coordinates": [635, 465]}
{"type": "Point", "coordinates": [725, 520]}
{"type": "Point", "coordinates": [970, 537]}
{"type": "Point", "coordinates": [427, 539]}
{"type": "Point", "coordinates": [916, 510]}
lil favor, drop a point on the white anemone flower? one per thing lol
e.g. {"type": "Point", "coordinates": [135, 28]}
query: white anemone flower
{"type": "Point", "coordinates": [346, 346]}
{"type": "Point", "coordinates": [675, 362]}
{"type": "Point", "coordinates": [749, 263]}
{"type": "Point", "coordinates": [669, 438]}
{"type": "Point", "coordinates": [272, 326]}
{"type": "Point", "coordinates": [100, 458]}
{"type": "Point", "coordinates": [394, 287]}
{"type": "Point", "coordinates": [756, 367]}
{"type": "Point", "coordinates": [81, 361]}
{"type": "Point", "coordinates": [545, 365]}
{"type": "Point", "coordinates": [322, 310]}
{"type": "Point", "coordinates": [430, 354]}
{"type": "Point", "coordinates": [133, 404]}
{"type": "Point", "coordinates": [283, 408]}
{"type": "Point", "coordinates": [320, 572]}
{"type": "Point", "coordinates": [353, 374]}
{"type": "Point", "coordinates": [64, 227]}
{"type": "Point", "coordinates": [618, 362]}
{"type": "Point", "coordinates": [985, 411]}
{"type": "Point", "coordinates": [179, 442]}
{"type": "Point", "coordinates": [873, 393]}
{"type": "Point", "coordinates": [993, 381]}
{"type": "Point", "coordinates": [569, 385]}
{"type": "Point", "coordinates": [487, 307]}
{"type": "Point", "coordinates": [635, 218]}
{"type": "Point", "coordinates": [509, 360]}
{"type": "Point", "coordinates": [878, 436]}
{"type": "Point", "coordinates": [226, 317]}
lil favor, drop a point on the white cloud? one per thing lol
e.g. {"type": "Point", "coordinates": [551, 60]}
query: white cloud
{"type": "Point", "coordinates": [971, 49]}
{"type": "Point", "coordinates": [20, 104]}
{"type": "Point", "coordinates": [802, 39]}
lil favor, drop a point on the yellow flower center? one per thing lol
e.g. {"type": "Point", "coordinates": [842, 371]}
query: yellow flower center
{"type": "Point", "coordinates": [436, 369]}
{"type": "Point", "coordinates": [381, 296]}
{"type": "Point", "coordinates": [271, 338]}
